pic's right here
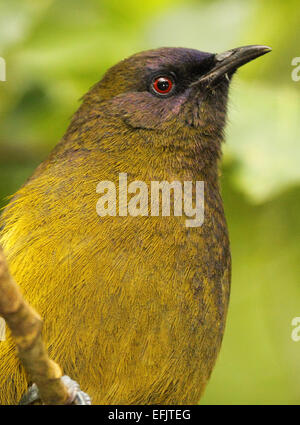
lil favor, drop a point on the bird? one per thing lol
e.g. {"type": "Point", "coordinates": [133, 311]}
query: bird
{"type": "Point", "coordinates": [134, 306]}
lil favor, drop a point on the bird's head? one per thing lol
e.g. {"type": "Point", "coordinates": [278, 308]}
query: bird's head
{"type": "Point", "coordinates": [151, 89]}
{"type": "Point", "coordinates": [166, 100]}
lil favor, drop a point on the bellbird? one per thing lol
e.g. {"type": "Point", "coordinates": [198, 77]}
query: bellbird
{"type": "Point", "coordinates": [134, 306]}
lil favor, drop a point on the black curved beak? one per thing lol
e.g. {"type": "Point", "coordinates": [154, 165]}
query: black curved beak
{"type": "Point", "coordinates": [229, 61]}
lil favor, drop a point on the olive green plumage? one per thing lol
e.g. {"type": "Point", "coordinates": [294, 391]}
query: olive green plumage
{"type": "Point", "coordinates": [134, 308]}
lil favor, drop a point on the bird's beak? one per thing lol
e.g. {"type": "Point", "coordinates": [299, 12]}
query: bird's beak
{"type": "Point", "coordinates": [229, 61]}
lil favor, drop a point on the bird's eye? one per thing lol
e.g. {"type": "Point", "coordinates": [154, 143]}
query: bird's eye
{"type": "Point", "coordinates": [162, 85]}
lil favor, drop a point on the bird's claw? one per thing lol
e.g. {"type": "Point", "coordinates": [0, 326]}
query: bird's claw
{"type": "Point", "coordinates": [76, 396]}
{"type": "Point", "coordinates": [30, 396]}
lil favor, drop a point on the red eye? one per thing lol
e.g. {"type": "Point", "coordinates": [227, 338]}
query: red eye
{"type": "Point", "coordinates": [162, 85]}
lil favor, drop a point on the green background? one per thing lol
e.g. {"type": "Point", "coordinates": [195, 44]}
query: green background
{"type": "Point", "coordinates": [56, 50]}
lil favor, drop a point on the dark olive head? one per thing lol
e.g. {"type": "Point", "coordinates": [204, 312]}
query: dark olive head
{"type": "Point", "coordinates": [152, 89]}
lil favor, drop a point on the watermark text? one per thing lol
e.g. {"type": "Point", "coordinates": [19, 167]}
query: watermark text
{"type": "Point", "coordinates": [155, 200]}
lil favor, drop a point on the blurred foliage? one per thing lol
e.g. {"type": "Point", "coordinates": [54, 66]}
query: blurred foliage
{"type": "Point", "coordinates": [55, 50]}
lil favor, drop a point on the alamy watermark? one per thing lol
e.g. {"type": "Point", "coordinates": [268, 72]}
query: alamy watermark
{"type": "Point", "coordinates": [2, 69]}
{"type": "Point", "coordinates": [187, 199]}
{"type": "Point", "coordinates": [2, 78]}
{"type": "Point", "coordinates": [296, 71]}
{"type": "Point", "coordinates": [295, 335]}
{"type": "Point", "coordinates": [2, 329]}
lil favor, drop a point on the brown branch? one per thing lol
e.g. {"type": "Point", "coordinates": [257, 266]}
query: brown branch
{"type": "Point", "coordinates": [26, 328]}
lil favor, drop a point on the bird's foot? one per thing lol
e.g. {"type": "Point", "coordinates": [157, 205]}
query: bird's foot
{"type": "Point", "coordinates": [76, 396]}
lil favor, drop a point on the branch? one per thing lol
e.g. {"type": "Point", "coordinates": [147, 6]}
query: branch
{"type": "Point", "coordinates": [26, 328]}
